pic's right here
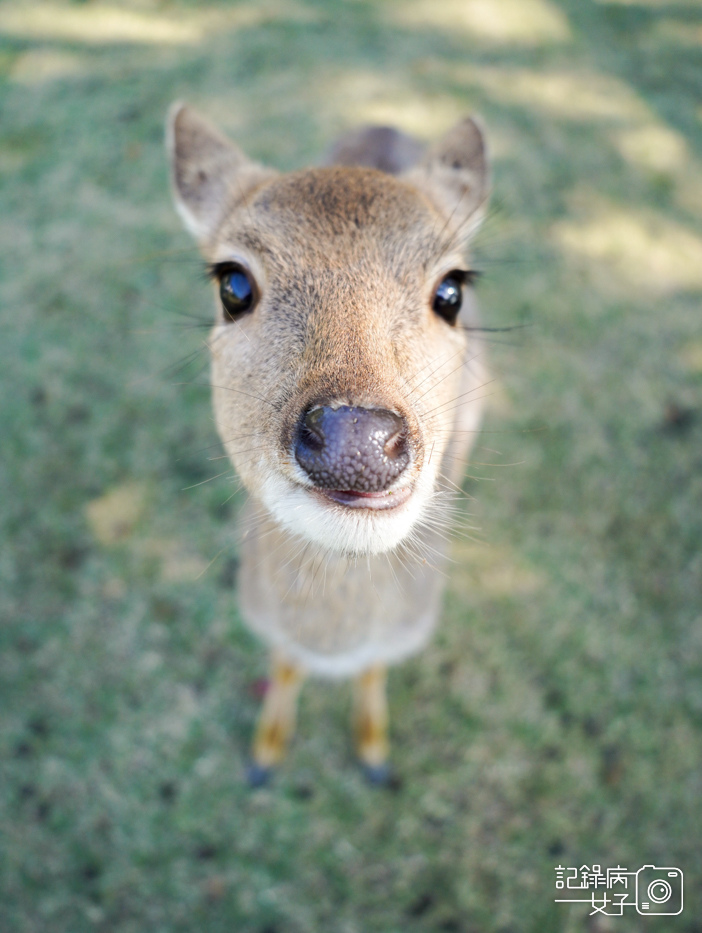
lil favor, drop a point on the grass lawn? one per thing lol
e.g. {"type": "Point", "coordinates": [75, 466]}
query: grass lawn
{"type": "Point", "coordinates": [557, 716]}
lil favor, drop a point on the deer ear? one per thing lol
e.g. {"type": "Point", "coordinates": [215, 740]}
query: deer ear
{"type": "Point", "coordinates": [455, 175]}
{"type": "Point", "coordinates": [209, 173]}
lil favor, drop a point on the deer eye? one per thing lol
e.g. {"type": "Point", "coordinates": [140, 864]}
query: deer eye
{"type": "Point", "coordinates": [236, 291]}
{"type": "Point", "coordinates": [448, 296]}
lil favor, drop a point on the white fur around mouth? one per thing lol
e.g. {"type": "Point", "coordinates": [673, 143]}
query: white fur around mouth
{"type": "Point", "coordinates": [356, 528]}
{"type": "Point", "coordinates": [374, 501]}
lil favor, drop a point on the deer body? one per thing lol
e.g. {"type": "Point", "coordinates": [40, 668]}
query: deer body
{"type": "Point", "coordinates": [345, 392]}
{"type": "Point", "coordinates": [333, 615]}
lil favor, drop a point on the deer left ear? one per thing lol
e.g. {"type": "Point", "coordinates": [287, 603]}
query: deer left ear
{"type": "Point", "coordinates": [209, 174]}
{"type": "Point", "coordinates": [455, 174]}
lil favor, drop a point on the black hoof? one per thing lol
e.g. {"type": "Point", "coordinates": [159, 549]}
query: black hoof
{"type": "Point", "coordinates": [378, 775]}
{"type": "Point", "coordinates": [257, 775]}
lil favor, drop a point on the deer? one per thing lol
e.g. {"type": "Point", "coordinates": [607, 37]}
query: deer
{"type": "Point", "coordinates": [346, 393]}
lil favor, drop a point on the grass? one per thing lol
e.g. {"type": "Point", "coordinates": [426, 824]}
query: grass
{"type": "Point", "coordinates": [557, 717]}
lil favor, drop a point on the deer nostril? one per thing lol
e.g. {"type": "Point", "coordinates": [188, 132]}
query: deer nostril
{"type": "Point", "coordinates": [396, 445]}
{"type": "Point", "coordinates": [312, 429]}
{"type": "Point", "coordinates": [352, 449]}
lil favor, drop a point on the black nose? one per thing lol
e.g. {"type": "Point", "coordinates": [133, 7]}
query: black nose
{"type": "Point", "coordinates": [352, 449]}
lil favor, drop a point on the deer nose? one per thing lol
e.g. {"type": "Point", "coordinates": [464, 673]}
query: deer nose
{"type": "Point", "coordinates": [352, 449]}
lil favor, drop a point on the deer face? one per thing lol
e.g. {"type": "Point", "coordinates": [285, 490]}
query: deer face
{"type": "Point", "coordinates": [338, 356]}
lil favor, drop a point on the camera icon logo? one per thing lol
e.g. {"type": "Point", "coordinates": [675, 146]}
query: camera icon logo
{"type": "Point", "coordinates": [659, 891]}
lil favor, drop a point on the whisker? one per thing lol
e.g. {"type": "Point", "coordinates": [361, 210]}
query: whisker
{"type": "Point", "coordinates": [209, 385]}
{"type": "Point", "coordinates": [214, 559]}
{"type": "Point", "coordinates": [458, 397]}
{"type": "Point", "coordinates": [208, 480]}
{"type": "Point", "coordinates": [458, 353]}
{"type": "Point", "coordinates": [495, 330]}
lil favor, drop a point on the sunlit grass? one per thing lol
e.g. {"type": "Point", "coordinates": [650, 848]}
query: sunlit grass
{"type": "Point", "coordinates": [100, 24]}
{"type": "Point", "coordinates": [96, 24]}
{"type": "Point", "coordinates": [503, 22]}
{"type": "Point", "coordinates": [654, 147]}
{"type": "Point", "coordinates": [39, 65]}
{"type": "Point", "coordinates": [645, 251]}
{"type": "Point", "coordinates": [368, 97]}
{"type": "Point", "coordinates": [568, 95]}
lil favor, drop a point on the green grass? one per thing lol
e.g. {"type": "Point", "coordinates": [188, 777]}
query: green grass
{"type": "Point", "coordinates": [557, 717]}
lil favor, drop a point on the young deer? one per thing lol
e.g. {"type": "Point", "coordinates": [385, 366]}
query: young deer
{"type": "Point", "coordinates": [346, 394]}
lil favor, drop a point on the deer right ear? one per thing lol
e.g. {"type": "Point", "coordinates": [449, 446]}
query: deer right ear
{"type": "Point", "coordinates": [209, 173]}
{"type": "Point", "coordinates": [455, 174]}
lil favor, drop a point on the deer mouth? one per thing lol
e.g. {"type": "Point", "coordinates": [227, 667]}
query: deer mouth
{"type": "Point", "coordinates": [346, 521]}
{"type": "Point", "coordinates": [373, 501]}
